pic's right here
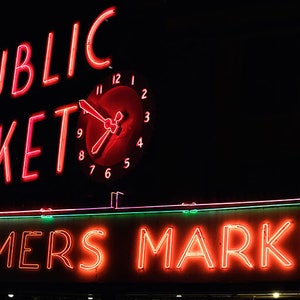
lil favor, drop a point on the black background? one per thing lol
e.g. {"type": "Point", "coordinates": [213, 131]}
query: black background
{"type": "Point", "coordinates": [226, 81]}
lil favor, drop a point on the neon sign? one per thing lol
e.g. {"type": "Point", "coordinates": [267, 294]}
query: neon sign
{"type": "Point", "coordinates": [23, 77]}
{"type": "Point", "coordinates": [170, 246]}
{"type": "Point", "coordinates": [197, 250]}
{"type": "Point", "coordinates": [24, 65]}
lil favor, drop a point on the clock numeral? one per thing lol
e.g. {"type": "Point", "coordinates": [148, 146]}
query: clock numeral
{"type": "Point", "coordinates": [116, 78]}
{"type": "Point", "coordinates": [144, 94]}
{"type": "Point", "coordinates": [140, 142]}
{"type": "Point", "coordinates": [107, 173]}
{"type": "Point", "coordinates": [92, 168]}
{"type": "Point", "coordinates": [79, 133]}
{"type": "Point", "coordinates": [99, 89]}
{"type": "Point", "coordinates": [81, 155]}
{"type": "Point", "coordinates": [132, 79]}
{"type": "Point", "coordinates": [147, 117]}
{"type": "Point", "coordinates": [126, 163]}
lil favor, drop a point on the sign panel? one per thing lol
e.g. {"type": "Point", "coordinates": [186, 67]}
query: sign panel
{"type": "Point", "coordinates": [223, 124]}
{"type": "Point", "coordinates": [75, 118]}
{"type": "Point", "coordinates": [186, 245]}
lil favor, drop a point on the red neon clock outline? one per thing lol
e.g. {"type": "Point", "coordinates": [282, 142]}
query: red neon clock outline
{"type": "Point", "coordinates": [114, 126]}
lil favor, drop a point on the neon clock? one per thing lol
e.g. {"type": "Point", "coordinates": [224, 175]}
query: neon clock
{"type": "Point", "coordinates": [114, 127]}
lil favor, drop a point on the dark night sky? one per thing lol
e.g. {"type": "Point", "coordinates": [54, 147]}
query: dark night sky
{"type": "Point", "coordinates": [226, 83]}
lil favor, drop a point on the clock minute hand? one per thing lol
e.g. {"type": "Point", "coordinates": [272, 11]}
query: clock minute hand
{"type": "Point", "coordinates": [97, 146]}
{"type": "Point", "coordinates": [100, 142]}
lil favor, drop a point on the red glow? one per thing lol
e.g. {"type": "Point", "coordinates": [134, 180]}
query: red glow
{"type": "Point", "coordinates": [47, 79]}
{"type": "Point", "coordinates": [146, 239]}
{"type": "Point", "coordinates": [268, 245]}
{"type": "Point", "coordinates": [3, 69]}
{"type": "Point", "coordinates": [25, 250]}
{"type": "Point", "coordinates": [73, 50]}
{"type": "Point", "coordinates": [236, 252]}
{"type": "Point", "coordinates": [59, 251]}
{"type": "Point", "coordinates": [24, 50]}
{"type": "Point", "coordinates": [29, 151]}
{"type": "Point", "coordinates": [91, 246]}
{"type": "Point", "coordinates": [23, 77]}
{"type": "Point", "coordinates": [63, 112]}
{"type": "Point", "coordinates": [24, 65]}
{"type": "Point", "coordinates": [9, 244]}
{"type": "Point", "coordinates": [238, 241]}
{"type": "Point", "coordinates": [62, 253]}
{"type": "Point", "coordinates": [4, 152]}
{"type": "Point", "coordinates": [196, 248]}
{"type": "Point", "coordinates": [92, 59]}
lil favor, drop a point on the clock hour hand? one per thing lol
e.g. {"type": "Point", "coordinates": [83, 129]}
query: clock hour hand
{"type": "Point", "coordinates": [91, 110]}
{"type": "Point", "coordinates": [108, 123]}
{"type": "Point", "coordinates": [97, 146]}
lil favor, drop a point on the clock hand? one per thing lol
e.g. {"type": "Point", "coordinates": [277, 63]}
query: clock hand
{"type": "Point", "coordinates": [91, 110]}
{"type": "Point", "coordinates": [108, 123]}
{"type": "Point", "coordinates": [97, 146]}
{"type": "Point", "coordinates": [100, 142]}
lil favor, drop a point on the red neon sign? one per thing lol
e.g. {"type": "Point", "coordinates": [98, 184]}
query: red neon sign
{"type": "Point", "coordinates": [23, 76]}
{"type": "Point", "coordinates": [166, 247]}
{"type": "Point", "coordinates": [196, 248]}
{"type": "Point", "coordinates": [23, 63]}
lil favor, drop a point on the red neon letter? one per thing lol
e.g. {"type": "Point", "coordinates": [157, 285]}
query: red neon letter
{"type": "Point", "coordinates": [73, 50]}
{"type": "Point", "coordinates": [145, 236]}
{"type": "Point", "coordinates": [48, 80]}
{"type": "Point", "coordinates": [86, 242]}
{"type": "Point", "coordinates": [92, 59]}
{"type": "Point", "coordinates": [65, 111]}
{"type": "Point", "coordinates": [197, 241]}
{"type": "Point", "coordinates": [25, 66]}
{"type": "Point", "coordinates": [226, 251]}
{"type": "Point", "coordinates": [4, 152]}
{"type": "Point", "coordinates": [31, 152]}
{"type": "Point", "coordinates": [268, 245]}
{"type": "Point", "coordinates": [3, 69]}
{"type": "Point", "coordinates": [25, 250]}
{"type": "Point", "coordinates": [61, 254]}
{"type": "Point", "coordinates": [10, 245]}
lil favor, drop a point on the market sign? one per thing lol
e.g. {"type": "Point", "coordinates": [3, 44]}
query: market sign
{"type": "Point", "coordinates": [72, 115]}
{"type": "Point", "coordinates": [183, 244]}
{"type": "Point", "coordinates": [24, 75]}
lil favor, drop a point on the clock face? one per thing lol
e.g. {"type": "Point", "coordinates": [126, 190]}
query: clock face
{"type": "Point", "coordinates": [114, 126]}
